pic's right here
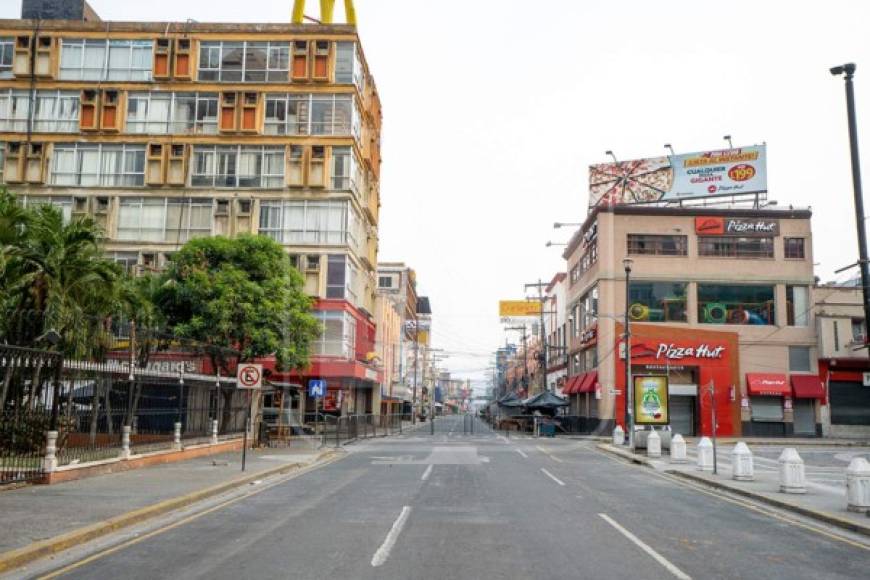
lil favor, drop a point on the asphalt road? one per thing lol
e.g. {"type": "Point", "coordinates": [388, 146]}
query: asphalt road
{"type": "Point", "coordinates": [456, 505]}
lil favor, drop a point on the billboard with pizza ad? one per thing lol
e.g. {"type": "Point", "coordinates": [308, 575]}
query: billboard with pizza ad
{"type": "Point", "coordinates": [738, 171]}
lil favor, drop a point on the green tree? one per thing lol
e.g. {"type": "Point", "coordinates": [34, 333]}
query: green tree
{"type": "Point", "coordinates": [239, 298]}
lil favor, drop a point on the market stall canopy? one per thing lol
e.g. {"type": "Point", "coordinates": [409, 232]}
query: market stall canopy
{"type": "Point", "coordinates": [510, 400]}
{"type": "Point", "coordinates": [545, 400]}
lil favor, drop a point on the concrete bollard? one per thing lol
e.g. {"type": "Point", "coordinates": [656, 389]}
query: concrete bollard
{"type": "Point", "coordinates": [49, 462]}
{"type": "Point", "coordinates": [741, 462]}
{"type": "Point", "coordinates": [125, 442]}
{"type": "Point", "coordinates": [678, 449]}
{"type": "Point", "coordinates": [654, 445]}
{"type": "Point", "coordinates": [858, 485]}
{"type": "Point", "coordinates": [214, 432]}
{"type": "Point", "coordinates": [705, 454]}
{"type": "Point", "coordinates": [618, 435]}
{"type": "Point", "coordinates": [792, 478]}
{"type": "Point", "coordinates": [176, 437]}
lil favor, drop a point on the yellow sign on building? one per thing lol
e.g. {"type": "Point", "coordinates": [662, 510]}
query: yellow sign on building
{"type": "Point", "coordinates": [651, 400]}
{"type": "Point", "coordinates": [519, 308]}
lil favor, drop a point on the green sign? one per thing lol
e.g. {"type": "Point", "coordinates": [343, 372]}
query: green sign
{"type": "Point", "coordinates": [651, 400]}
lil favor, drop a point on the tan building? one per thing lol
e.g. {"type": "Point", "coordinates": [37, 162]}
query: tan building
{"type": "Point", "coordinates": [388, 343]}
{"type": "Point", "coordinates": [166, 131]}
{"type": "Point", "coordinates": [717, 297]}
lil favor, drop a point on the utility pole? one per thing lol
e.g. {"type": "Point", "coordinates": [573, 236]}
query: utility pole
{"type": "Point", "coordinates": [525, 352]}
{"type": "Point", "coordinates": [849, 70]}
{"type": "Point", "coordinates": [543, 357]}
{"type": "Point", "coordinates": [416, 358]}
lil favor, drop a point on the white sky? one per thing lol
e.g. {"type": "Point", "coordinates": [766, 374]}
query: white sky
{"type": "Point", "coordinates": [493, 109]}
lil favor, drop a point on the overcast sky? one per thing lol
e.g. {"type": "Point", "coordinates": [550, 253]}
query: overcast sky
{"type": "Point", "coordinates": [493, 109]}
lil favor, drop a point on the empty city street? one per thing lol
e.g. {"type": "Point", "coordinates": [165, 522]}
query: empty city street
{"type": "Point", "coordinates": [481, 505]}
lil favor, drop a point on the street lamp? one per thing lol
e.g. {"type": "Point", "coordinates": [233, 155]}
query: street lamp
{"type": "Point", "coordinates": [629, 390]}
{"type": "Point", "coordinates": [550, 244]}
{"type": "Point", "coordinates": [558, 225]}
{"type": "Point", "coordinates": [849, 71]}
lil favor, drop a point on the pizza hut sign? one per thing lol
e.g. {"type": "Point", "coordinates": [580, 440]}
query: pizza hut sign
{"type": "Point", "coordinates": [719, 226]}
{"type": "Point", "coordinates": [673, 352]}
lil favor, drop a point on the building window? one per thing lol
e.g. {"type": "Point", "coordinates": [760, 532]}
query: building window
{"type": "Point", "coordinates": [105, 60]}
{"type": "Point", "coordinates": [250, 62]}
{"type": "Point", "coordinates": [7, 49]}
{"type": "Point", "coordinates": [799, 359]}
{"type": "Point", "coordinates": [340, 278]}
{"type": "Point", "coordinates": [63, 203]}
{"type": "Point", "coordinates": [55, 111]}
{"type": "Point", "coordinates": [657, 245]}
{"type": "Point", "coordinates": [735, 304]}
{"type": "Point", "coordinates": [127, 260]}
{"type": "Point", "coordinates": [346, 171]}
{"type": "Point", "coordinates": [584, 312]}
{"type": "Point", "coordinates": [303, 222]}
{"type": "Point", "coordinates": [339, 334]}
{"type": "Point", "coordinates": [347, 67]}
{"type": "Point", "coordinates": [794, 248]}
{"type": "Point", "coordinates": [98, 164]}
{"type": "Point", "coordinates": [238, 166]}
{"type": "Point", "coordinates": [296, 114]}
{"type": "Point", "coordinates": [798, 305]}
{"type": "Point", "coordinates": [729, 247]}
{"type": "Point", "coordinates": [172, 113]}
{"type": "Point", "coordinates": [657, 302]}
{"type": "Point", "coordinates": [385, 281]}
{"type": "Point", "coordinates": [859, 331]}
{"type": "Point", "coordinates": [2, 159]}
{"type": "Point", "coordinates": [160, 219]}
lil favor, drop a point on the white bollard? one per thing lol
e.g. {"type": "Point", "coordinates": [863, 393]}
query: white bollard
{"type": "Point", "coordinates": [741, 462]}
{"type": "Point", "coordinates": [49, 462]}
{"type": "Point", "coordinates": [125, 442]}
{"type": "Point", "coordinates": [618, 435]}
{"type": "Point", "coordinates": [176, 437]}
{"type": "Point", "coordinates": [653, 445]}
{"type": "Point", "coordinates": [858, 485]}
{"type": "Point", "coordinates": [214, 432]}
{"type": "Point", "coordinates": [678, 449]}
{"type": "Point", "coordinates": [705, 454]}
{"type": "Point", "coordinates": [792, 478]}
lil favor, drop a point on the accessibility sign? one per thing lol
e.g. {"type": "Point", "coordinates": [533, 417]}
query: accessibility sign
{"type": "Point", "coordinates": [316, 388]}
{"type": "Point", "coordinates": [249, 376]}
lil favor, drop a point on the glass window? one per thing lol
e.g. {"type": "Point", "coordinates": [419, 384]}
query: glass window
{"type": "Point", "coordinates": [657, 302]}
{"type": "Point", "coordinates": [7, 49]}
{"type": "Point", "coordinates": [63, 203]}
{"type": "Point", "coordinates": [250, 62]}
{"type": "Point", "coordinates": [238, 166]}
{"type": "Point", "coordinates": [798, 305]}
{"type": "Point", "coordinates": [799, 359]}
{"type": "Point", "coordinates": [728, 247]}
{"type": "Point", "coordinates": [385, 282]}
{"type": "Point", "coordinates": [344, 60]}
{"type": "Point", "coordinates": [93, 164]}
{"type": "Point", "coordinates": [336, 276]}
{"type": "Point", "coordinates": [858, 331]}
{"type": "Point", "coordinates": [794, 248]}
{"type": "Point", "coordinates": [296, 114]}
{"type": "Point", "coordinates": [735, 304]}
{"type": "Point", "coordinates": [338, 336]}
{"type": "Point", "coordinates": [114, 60]}
{"type": "Point", "coordinates": [303, 222]}
{"type": "Point", "coordinates": [656, 245]}
{"type": "Point", "coordinates": [55, 111]}
{"type": "Point", "coordinates": [163, 219]}
{"type": "Point", "coordinates": [767, 409]}
{"type": "Point", "coordinates": [167, 113]}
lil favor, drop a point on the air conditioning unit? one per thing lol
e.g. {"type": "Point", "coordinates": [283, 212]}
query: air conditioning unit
{"type": "Point", "coordinates": [155, 164]}
{"type": "Point", "coordinates": [312, 263]}
{"type": "Point", "coordinates": [34, 170]}
{"type": "Point", "coordinates": [162, 49]}
{"type": "Point", "coordinates": [110, 117]}
{"type": "Point", "coordinates": [13, 165]}
{"type": "Point", "coordinates": [299, 70]}
{"type": "Point", "coordinates": [182, 68]}
{"type": "Point", "coordinates": [176, 170]}
{"type": "Point", "coordinates": [21, 58]}
{"type": "Point", "coordinates": [45, 51]}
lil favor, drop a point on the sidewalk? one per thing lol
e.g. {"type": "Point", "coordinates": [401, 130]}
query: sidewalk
{"type": "Point", "coordinates": [35, 517]}
{"type": "Point", "coordinates": [825, 499]}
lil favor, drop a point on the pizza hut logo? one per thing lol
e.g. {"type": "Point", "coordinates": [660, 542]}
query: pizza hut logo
{"type": "Point", "coordinates": [741, 172]}
{"type": "Point", "coordinates": [709, 225]}
{"type": "Point", "coordinates": [712, 189]}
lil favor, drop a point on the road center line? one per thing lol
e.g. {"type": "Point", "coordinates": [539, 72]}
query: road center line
{"type": "Point", "coordinates": [384, 551]}
{"type": "Point", "coordinates": [428, 472]}
{"type": "Point", "coordinates": [553, 477]}
{"type": "Point", "coordinates": [521, 452]}
{"type": "Point", "coordinates": [548, 454]}
{"type": "Point", "coordinates": [655, 555]}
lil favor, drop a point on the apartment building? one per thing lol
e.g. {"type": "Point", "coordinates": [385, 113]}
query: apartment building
{"type": "Point", "coordinates": [844, 366]}
{"type": "Point", "coordinates": [397, 283]}
{"type": "Point", "coordinates": [556, 325]}
{"type": "Point", "coordinates": [718, 299]}
{"type": "Point", "coordinates": [166, 131]}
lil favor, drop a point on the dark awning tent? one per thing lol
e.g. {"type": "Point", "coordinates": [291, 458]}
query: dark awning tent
{"type": "Point", "coordinates": [545, 401]}
{"type": "Point", "coordinates": [510, 400]}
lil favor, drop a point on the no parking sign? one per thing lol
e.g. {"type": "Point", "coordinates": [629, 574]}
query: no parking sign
{"type": "Point", "coordinates": [249, 376]}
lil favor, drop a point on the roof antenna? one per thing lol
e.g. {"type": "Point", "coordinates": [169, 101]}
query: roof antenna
{"type": "Point", "coordinates": [609, 152]}
{"type": "Point", "coordinates": [669, 148]}
{"type": "Point", "coordinates": [728, 138]}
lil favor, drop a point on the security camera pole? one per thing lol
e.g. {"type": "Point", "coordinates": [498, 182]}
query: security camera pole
{"type": "Point", "coordinates": [849, 70]}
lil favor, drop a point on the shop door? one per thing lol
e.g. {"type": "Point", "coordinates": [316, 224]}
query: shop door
{"type": "Point", "coordinates": [682, 415]}
{"type": "Point", "coordinates": [804, 417]}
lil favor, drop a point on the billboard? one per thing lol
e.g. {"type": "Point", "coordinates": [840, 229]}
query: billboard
{"type": "Point", "coordinates": [673, 177]}
{"type": "Point", "coordinates": [651, 400]}
{"type": "Point", "coordinates": [514, 308]}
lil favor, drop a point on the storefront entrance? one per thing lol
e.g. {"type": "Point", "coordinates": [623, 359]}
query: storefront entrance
{"type": "Point", "coordinates": [804, 417]}
{"type": "Point", "coordinates": [683, 415]}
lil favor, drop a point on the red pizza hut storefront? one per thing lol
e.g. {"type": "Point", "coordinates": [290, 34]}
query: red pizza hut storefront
{"type": "Point", "coordinates": [693, 360]}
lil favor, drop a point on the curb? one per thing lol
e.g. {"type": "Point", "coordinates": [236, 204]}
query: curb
{"type": "Point", "coordinates": [37, 550]}
{"type": "Point", "coordinates": [825, 517]}
{"type": "Point", "coordinates": [638, 459]}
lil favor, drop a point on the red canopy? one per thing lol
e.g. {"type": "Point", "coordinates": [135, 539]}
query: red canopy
{"type": "Point", "coordinates": [767, 384]}
{"type": "Point", "coordinates": [571, 384]}
{"type": "Point", "coordinates": [807, 387]}
{"type": "Point", "coordinates": [588, 384]}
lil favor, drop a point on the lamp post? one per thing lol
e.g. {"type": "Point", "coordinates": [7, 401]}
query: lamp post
{"type": "Point", "coordinates": [629, 389]}
{"type": "Point", "coordinates": [849, 71]}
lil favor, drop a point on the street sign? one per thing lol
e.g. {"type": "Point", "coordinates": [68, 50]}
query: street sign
{"type": "Point", "coordinates": [316, 388]}
{"type": "Point", "coordinates": [249, 376]}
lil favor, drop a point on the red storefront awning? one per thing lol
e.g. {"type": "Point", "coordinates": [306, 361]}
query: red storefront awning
{"type": "Point", "coordinates": [767, 384]}
{"type": "Point", "coordinates": [574, 383]}
{"type": "Point", "coordinates": [807, 387]}
{"type": "Point", "coordinates": [588, 384]}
